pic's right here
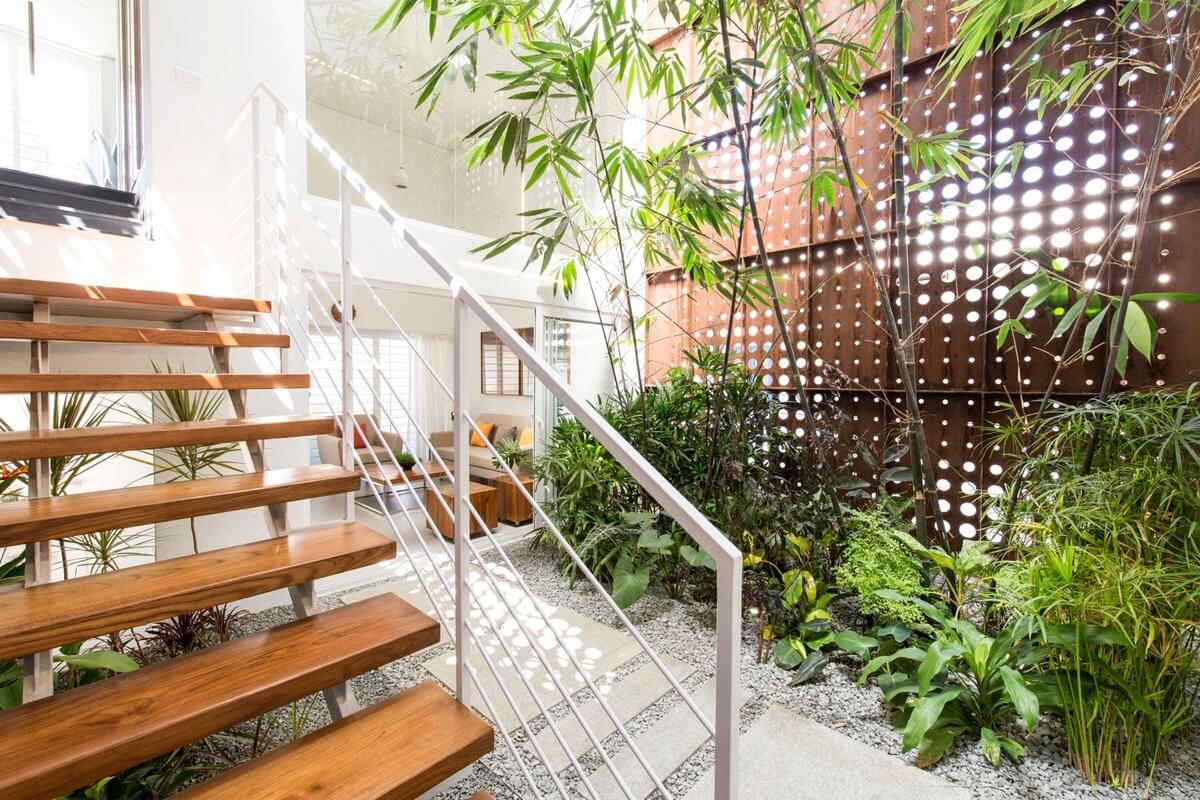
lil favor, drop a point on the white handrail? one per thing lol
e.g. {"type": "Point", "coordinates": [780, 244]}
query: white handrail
{"type": "Point", "coordinates": [726, 556]}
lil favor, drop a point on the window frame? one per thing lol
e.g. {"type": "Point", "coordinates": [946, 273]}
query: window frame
{"type": "Point", "coordinates": [524, 387]}
{"type": "Point", "coordinates": [41, 199]}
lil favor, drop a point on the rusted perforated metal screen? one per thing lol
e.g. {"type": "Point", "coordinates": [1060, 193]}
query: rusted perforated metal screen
{"type": "Point", "coordinates": [1077, 173]}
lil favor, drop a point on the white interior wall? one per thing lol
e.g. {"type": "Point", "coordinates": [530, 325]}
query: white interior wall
{"type": "Point", "coordinates": [203, 62]}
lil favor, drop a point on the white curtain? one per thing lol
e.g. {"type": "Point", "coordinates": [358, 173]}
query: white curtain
{"type": "Point", "coordinates": [432, 404]}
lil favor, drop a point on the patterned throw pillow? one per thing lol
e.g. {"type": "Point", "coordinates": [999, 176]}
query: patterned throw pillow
{"type": "Point", "coordinates": [503, 432]}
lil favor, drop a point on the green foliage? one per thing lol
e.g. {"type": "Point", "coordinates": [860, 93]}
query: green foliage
{"type": "Point", "coordinates": [1117, 548]}
{"type": "Point", "coordinates": [721, 446]}
{"type": "Point", "coordinates": [1049, 288]}
{"type": "Point", "coordinates": [963, 681]}
{"type": "Point", "coordinates": [150, 780]}
{"type": "Point", "coordinates": [510, 453]}
{"type": "Point", "coordinates": [191, 461]}
{"type": "Point", "coordinates": [873, 558]}
{"type": "Point", "coordinates": [405, 459]}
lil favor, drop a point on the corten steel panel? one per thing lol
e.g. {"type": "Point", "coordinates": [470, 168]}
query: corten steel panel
{"type": "Point", "coordinates": [1169, 264]}
{"type": "Point", "coordinates": [668, 334]}
{"type": "Point", "coordinates": [866, 420]}
{"type": "Point", "coordinates": [765, 353]}
{"type": "Point", "coordinates": [783, 199]}
{"type": "Point", "coordinates": [931, 26]}
{"type": "Point", "coordinates": [952, 425]}
{"type": "Point", "coordinates": [1066, 156]}
{"type": "Point", "coordinates": [949, 231]}
{"type": "Point", "coordinates": [1074, 232]}
{"type": "Point", "coordinates": [1141, 97]}
{"type": "Point", "coordinates": [845, 316]}
{"type": "Point", "coordinates": [868, 141]}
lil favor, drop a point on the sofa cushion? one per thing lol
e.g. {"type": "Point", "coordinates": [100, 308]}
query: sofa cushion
{"type": "Point", "coordinates": [504, 432]}
{"type": "Point", "coordinates": [480, 457]}
{"type": "Point", "coordinates": [486, 429]}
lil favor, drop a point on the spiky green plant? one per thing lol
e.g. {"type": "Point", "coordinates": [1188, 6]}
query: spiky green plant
{"type": "Point", "coordinates": [193, 461]}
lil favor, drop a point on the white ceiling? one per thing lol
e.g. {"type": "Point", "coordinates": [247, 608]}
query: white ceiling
{"type": "Point", "coordinates": [373, 76]}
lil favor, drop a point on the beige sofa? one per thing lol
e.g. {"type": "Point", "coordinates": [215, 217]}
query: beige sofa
{"type": "Point", "coordinates": [382, 442]}
{"type": "Point", "coordinates": [480, 457]}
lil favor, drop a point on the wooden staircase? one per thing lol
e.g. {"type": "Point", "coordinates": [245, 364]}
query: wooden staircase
{"type": "Point", "coordinates": [57, 743]}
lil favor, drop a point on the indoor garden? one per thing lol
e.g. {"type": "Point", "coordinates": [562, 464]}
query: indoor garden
{"type": "Point", "coordinates": [900, 301]}
{"type": "Point", "coordinates": [898, 295]}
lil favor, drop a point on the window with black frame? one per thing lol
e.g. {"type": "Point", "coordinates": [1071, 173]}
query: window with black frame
{"type": "Point", "coordinates": [70, 113]}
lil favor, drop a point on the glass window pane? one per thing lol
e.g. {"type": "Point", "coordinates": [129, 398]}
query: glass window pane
{"type": "Point", "coordinates": [60, 106]}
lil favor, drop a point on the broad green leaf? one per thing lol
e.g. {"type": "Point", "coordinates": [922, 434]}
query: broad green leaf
{"type": "Point", "coordinates": [1171, 297]}
{"type": "Point", "coordinates": [898, 631]}
{"type": "Point", "coordinates": [697, 557]}
{"type": "Point", "coordinates": [936, 744]}
{"type": "Point", "coordinates": [1138, 330]}
{"type": "Point", "coordinates": [99, 659]}
{"type": "Point", "coordinates": [812, 667]}
{"type": "Point", "coordinates": [1023, 700]}
{"type": "Point", "coordinates": [789, 652]}
{"type": "Point", "coordinates": [1013, 749]}
{"type": "Point", "coordinates": [876, 663]}
{"type": "Point", "coordinates": [629, 582]}
{"type": "Point", "coordinates": [925, 714]}
{"type": "Point", "coordinates": [989, 743]}
{"type": "Point", "coordinates": [939, 654]}
{"type": "Point", "coordinates": [854, 642]}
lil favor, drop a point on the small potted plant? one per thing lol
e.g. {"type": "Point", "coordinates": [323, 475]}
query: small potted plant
{"type": "Point", "coordinates": [509, 452]}
{"type": "Point", "coordinates": [405, 459]}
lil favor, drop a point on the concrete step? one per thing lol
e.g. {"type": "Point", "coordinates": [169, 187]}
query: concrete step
{"type": "Point", "coordinates": [627, 697]}
{"type": "Point", "coordinates": [666, 744]}
{"type": "Point", "coordinates": [784, 750]}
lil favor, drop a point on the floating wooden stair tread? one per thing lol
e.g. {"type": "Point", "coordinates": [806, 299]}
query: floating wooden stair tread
{"type": "Point", "coordinates": [62, 332]}
{"type": "Point", "coordinates": [394, 750]}
{"type": "Point", "coordinates": [57, 744]}
{"type": "Point", "coordinates": [47, 616]}
{"type": "Point", "coordinates": [77, 299]}
{"type": "Point", "coordinates": [21, 383]}
{"type": "Point", "coordinates": [54, 517]}
{"type": "Point", "coordinates": [22, 445]}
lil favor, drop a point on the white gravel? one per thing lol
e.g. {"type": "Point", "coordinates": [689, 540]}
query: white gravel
{"type": "Point", "coordinates": [686, 630]}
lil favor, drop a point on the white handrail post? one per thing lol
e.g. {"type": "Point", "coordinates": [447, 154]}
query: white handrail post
{"type": "Point", "coordinates": [729, 649]}
{"type": "Point", "coordinates": [462, 481]}
{"type": "Point", "coordinates": [347, 311]}
{"type": "Point", "coordinates": [279, 151]}
{"type": "Point", "coordinates": [257, 199]}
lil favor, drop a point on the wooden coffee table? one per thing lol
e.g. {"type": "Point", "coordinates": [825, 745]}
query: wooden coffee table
{"type": "Point", "coordinates": [388, 473]}
{"type": "Point", "coordinates": [482, 497]}
{"type": "Point", "coordinates": [515, 508]}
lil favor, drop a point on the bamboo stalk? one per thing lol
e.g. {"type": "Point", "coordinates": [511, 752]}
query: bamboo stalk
{"type": "Point", "coordinates": [756, 222]}
{"type": "Point", "coordinates": [904, 267]}
{"type": "Point", "coordinates": [908, 381]}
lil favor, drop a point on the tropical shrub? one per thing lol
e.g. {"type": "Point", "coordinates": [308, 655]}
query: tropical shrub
{"type": "Point", "coordinates": [962, 681]}
{"type": "Point", "coordinates": [1117, 546]}
{"type": "Point", "coordinates": [873, 558]}
{"type": "Point", "coordinates": [720, 443]}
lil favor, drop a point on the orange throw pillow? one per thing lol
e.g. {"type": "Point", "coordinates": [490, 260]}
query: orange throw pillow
{"type": "Point", "coordinates": [486, 429]}
{"type": "Point", "coordinates": [526, 437]}
{"type": "Point", "coordinates": [360, 441]}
